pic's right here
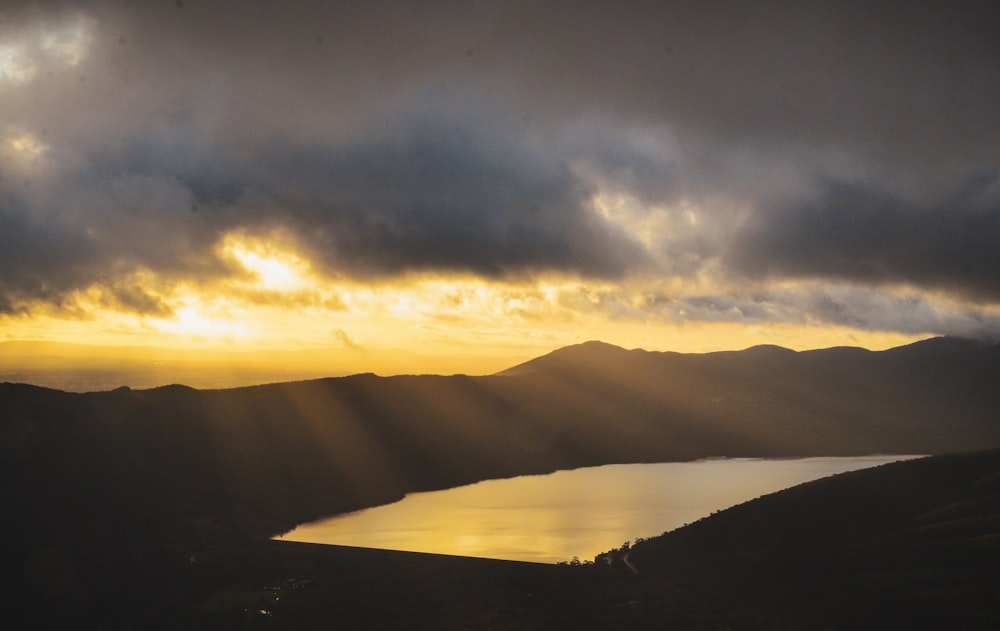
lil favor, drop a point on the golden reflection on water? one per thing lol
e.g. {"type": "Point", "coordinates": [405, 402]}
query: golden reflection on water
{"type": "Point", "coordinates": [583, 512]}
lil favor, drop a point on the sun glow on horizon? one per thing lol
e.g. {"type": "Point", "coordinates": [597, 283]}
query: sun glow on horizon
{"type": "Point", "coordinates": [454, 326]}
{"type": "Point", "coordinates": [272, 299]}
{"type": "Point", "coordinates": [192, 322]}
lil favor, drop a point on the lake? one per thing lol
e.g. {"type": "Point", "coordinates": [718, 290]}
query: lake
{"type": "Point", "coordinates": [581, 512]}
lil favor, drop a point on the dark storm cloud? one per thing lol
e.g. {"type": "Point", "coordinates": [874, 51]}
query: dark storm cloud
{"type": "Point", "coordinates": [429, 194]}
{"type": "Point", "coordinates": [396, 136]}
{"type": "Point", "coordinates": [38, 262]}
{"type": "Point", "coordinates": [839, 305]}
{"type": "Point", "coordinates": [851, 232]}
{"type": "Point", "coordinates": [432, 192]}
{"type": "Point", "coordinates": [436, 196]}
{"type": "Point", "coordinates": [899, 81]}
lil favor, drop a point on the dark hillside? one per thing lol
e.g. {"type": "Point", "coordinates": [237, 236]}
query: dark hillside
{"type": "Point", "coordinates": [907, 545]}
{"type": "Point", "coordinates": [930, 397]}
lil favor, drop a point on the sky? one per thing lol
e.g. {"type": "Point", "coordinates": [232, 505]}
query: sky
{"type": "Point", "coordinates": [495, 180]}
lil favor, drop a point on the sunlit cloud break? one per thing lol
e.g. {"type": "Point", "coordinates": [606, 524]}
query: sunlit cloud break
{"type": "Point", "coordinates": [33, 46]}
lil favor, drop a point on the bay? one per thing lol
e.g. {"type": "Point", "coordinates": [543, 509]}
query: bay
{"type": "Point", "coordinates": [575, 513]}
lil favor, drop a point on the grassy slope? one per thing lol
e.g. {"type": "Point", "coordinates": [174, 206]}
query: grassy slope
{"type": "Point", "coordinates": [908, 545]}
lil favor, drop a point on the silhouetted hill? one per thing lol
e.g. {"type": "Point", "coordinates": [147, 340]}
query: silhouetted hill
{"type": "Point", "coordinates": [906, 545]}
{"type": "Point", "coordinates": [593, 353]}
{"type": "Point", "coordinates": [932, 396]}
{"type": "Point", "coordinates": [938, 346]}
{"type": "Point", "coordinates": [96, 483]}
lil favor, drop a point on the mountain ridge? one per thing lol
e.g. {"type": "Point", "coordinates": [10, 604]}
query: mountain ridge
{"type": "Point", "coordinates": [932, 345]}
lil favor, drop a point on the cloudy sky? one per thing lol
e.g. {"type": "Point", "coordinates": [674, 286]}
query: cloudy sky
{"type": "Point", "coordinates": [498, 179]}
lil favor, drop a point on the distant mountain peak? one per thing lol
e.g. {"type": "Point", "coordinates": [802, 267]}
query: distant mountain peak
{"type": "Point", "coordinates": [943, 344]}
{"type": "Point", "coordinates": [585, 352]}
{"type": "Point", "coordinates": [761, 349]}
{"type": "Point", "coordinates": [592, 344]}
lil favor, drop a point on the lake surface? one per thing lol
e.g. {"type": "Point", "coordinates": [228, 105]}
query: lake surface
{"type": "Point", "coordinates": [582, 512]}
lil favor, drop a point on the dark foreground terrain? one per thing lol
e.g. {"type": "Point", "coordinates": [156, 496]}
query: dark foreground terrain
{"type": "Point", "coordinates": [912, 545]}
{"type": "Point", "coordinates": [135, 506]}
